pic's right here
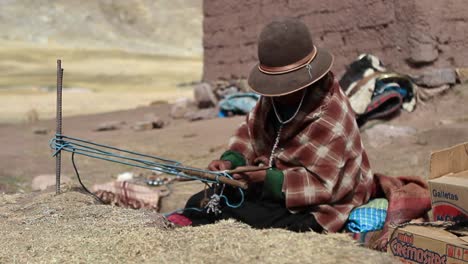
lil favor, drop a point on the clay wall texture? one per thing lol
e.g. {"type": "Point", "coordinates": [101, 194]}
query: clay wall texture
{"type": "Point", "coordinates": [408, 35]}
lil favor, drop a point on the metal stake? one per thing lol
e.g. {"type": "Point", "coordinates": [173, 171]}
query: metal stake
{"type": "Point", "coordinates": [58, 158]}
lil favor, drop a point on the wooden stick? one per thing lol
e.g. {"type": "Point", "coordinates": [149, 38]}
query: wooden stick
{"type": "Point", "coordinates": [247, 169]}
{"type": "Point", "coordinates": [213, 177]}
{"type": "Point", "coordinates": [223, 179]}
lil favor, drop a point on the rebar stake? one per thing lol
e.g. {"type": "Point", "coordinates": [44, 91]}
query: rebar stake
{"type": "Point", "coordinates": [58, 158]}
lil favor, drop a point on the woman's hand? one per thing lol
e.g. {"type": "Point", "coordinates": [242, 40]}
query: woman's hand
{"type": "Point", "coordinates": [219, 165]}
{"type": "Point", "coordinates": [251, 176]}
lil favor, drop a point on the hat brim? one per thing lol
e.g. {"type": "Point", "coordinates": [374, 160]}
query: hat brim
{"type": "Point", "coordinates": [290, 82]}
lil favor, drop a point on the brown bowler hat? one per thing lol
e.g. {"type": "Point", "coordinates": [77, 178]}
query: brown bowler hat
{"type": "Point", "coordinates": [288, 60]}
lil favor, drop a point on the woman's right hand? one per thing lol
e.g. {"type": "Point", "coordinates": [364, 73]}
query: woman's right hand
{"type": "Point", "coordinates": [219, 165]}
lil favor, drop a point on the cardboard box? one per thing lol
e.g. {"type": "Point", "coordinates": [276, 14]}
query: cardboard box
{"type": "Point", "coordinates": [448, 183]}
{"type": "Point", "coordinates": [428, 245]}
{"type": "Point", "coordinates": [367, 239]}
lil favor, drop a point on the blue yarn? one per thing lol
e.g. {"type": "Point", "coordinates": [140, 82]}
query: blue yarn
{"type": "Point", "coordinates": [61, 137]}
{"type": "Point", "coordinates": [63, 143]}
{"type": "Point", "coordinates": [227, 200]}
{"type": "Point", "coordinates": [238, 204]}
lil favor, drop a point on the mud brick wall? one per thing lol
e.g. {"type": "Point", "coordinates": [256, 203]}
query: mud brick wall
{"type": "Point", "coordinates": [408, 35]}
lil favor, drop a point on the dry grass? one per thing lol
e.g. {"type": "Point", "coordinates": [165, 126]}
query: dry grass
{"type": "Point", "coordinates": [43, 228]}
{"type": "Point", "coordinates": [113, 80]}
{"type": "Point", "coordinates": [16, 107]}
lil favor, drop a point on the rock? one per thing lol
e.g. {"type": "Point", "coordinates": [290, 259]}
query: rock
{"type": "Point", "coordinates": [158, 102]}
{"type": "Point", "coordinates": [125, 176]}
{"type": "Point", "coordinates": [40, 131]}
{"type": "Point", "coordinates": [144, 125]}
{"type": "Point", "coordinates": [181, 107]}
{"type": "Point", "coordinates": [108, 126]}
{"type": "Point", "coordinates": [42, 182]}
{"type": "Point", "coordinates": [225, 88]}
{"type": "Point", "coordinates": [243, 85]}
{"type": "Point", "coordinates": [185, 84]}
{"type": "Point", "coordinates": [204, 96]}
{"type": "Point", "coordinates": [222, 93]}
{"type": "Point", "coordinates": [422, 47]}
{"type": "Point", "coordinates": [423, 53]}
{"type": "Point", "coordinates": [462, 75]}
{"type": "Point", "coordinates": [382, 134]}
{"type": "Point", "coordinates": [427, 94]}
{"type": "Point", "coordinates": [148, 125]}
{"type": "Point", "coordinates": [203, 114]}
{"type": "Point", "coordinates": [436, 78]}
{"type": "Point", "coordinates": [220, 84]}
{"type": "Point", "coordinates": [190, 135]}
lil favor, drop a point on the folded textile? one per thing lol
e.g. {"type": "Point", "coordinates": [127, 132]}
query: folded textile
{"type": "Point", "coordinates": [408, 198]}
{"type": "Point", "coordinates": [382, 88]}
{"type": "Point", "coordinates": [368, 217]}
{"type": "Point", "coordinates": [358, 82]}
{"type": "Point", "coordinates": [363, 67]}
{"type": "Point", "coordinates": [238, 103]}
{"type": "Point", "coordinates": [382, 106]}
{"type": "Point", "coordinates": [129, 195]}
{"type": "Point", "coordinates": [360, 95]}
{"type": "Point", "coordinates": [398, 82]}
{"type": "Point", "coordinates": [406, 88]}
{"type": "Point", "coordinates": [179, 220]}
{"type": "Point", "coordinates": [366, 82]}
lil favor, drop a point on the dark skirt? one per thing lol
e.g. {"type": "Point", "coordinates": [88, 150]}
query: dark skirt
{"type": "Point", "coordinates": [255, 211]}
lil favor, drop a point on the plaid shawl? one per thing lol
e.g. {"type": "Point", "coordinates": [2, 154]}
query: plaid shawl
{"type": "Point", "coordinates": [326, 169]}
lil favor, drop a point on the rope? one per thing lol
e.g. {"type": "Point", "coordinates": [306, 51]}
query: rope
{"type": "Point", "coordinates": [99, 151]}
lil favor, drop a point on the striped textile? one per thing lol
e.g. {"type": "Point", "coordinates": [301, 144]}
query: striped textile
{"type": "Point", "coordinates": [129, 195]}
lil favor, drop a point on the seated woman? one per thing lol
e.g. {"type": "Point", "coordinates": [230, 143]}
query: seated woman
{"type": "Point", "coordinates": [304, 131]}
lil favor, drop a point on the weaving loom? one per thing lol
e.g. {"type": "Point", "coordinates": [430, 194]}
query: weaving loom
{"type": "Point", "coordinates": [78, 146]}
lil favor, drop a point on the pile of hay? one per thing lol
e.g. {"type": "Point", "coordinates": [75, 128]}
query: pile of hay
{"type": "Point", "coordinates": [71, 227]}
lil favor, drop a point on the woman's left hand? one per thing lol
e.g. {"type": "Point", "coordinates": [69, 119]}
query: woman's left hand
{"type": "Point", "coordinates": [251, 177]}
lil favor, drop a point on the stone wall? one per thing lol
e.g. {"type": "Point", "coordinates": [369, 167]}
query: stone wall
{"type": "Point", "coordinates": [408, 35]}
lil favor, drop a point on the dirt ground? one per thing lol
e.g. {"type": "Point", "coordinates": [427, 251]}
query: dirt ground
{"type": "Point", "coordinates": [96, 230]}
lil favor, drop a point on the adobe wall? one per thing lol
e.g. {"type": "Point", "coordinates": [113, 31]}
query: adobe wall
{"type": "Point", "coordinates": [408, 35]}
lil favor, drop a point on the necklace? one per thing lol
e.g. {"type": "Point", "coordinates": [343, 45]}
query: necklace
{"type": "Point", "coordinates": [282, 123]}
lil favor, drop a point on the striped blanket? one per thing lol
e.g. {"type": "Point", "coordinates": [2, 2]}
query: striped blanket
{"type": "Point", "coordinates": [129, 195]}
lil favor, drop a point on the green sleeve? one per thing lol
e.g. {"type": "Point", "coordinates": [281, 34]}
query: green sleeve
{"type": "Point", "coordinates": [273, 185]}
{"type": "Point", "coordinates": [234, 157]}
